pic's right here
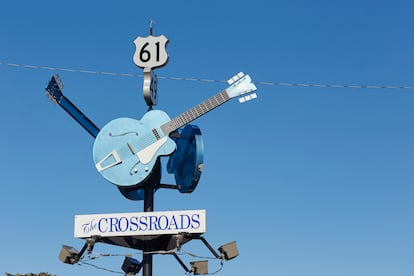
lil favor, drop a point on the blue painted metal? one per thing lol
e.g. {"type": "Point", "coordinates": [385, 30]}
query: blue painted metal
{"type": "Point", "coordinates": [55, 93]}
{"type": "Point", "coordinates": [186, 163]}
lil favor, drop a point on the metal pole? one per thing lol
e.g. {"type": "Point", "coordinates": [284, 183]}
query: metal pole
{"type": "Point", "coordinates": [149, 188]}
{"type": "Point", "coordinates": [148, 207]}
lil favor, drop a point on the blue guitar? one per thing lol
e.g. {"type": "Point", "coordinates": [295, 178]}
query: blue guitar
{"type": "Point", "coordinates": [126, 150]}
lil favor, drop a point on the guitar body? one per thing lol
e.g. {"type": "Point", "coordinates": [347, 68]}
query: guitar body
{"type": "Point", "coordinates": [126, 150]}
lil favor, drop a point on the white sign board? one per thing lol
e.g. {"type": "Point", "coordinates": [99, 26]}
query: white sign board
{"type": "Point", "coordinates": [137, 224]}
{"type": "Point", "coordinates": [150, 51]}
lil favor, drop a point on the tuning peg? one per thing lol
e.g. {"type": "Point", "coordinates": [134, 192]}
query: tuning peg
{"type": "Point", "coordinates": [248, 98]}
{"type": "Point", "coordinates": [235, 78]}
{"type": "Point", "coordinates": [58, 81]}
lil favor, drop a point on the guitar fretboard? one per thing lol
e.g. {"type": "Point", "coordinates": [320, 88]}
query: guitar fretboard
{"type": "Point", "coordinates": [195, 112]}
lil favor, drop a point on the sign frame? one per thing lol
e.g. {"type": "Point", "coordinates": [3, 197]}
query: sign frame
{"type": "Point", "coordinates": [140, 223]}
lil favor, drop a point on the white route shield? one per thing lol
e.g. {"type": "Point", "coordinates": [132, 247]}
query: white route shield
{"type": "Point", "coordinates": [150, 51]}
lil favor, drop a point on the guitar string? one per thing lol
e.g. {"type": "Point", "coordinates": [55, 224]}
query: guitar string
{"type": "Point", "coordinates": [266, 83]}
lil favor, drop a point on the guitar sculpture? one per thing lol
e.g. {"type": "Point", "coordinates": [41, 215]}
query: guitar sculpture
{"type": "Point", "coordinates": [126, 150]}
{"type": "Point", "coordinates": [54, 92]}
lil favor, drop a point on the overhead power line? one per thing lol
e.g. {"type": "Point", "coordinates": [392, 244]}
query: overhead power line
{"type": "Point", "coordinates": [91, 72]}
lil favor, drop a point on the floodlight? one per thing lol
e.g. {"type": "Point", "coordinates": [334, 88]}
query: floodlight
{"type": "Point", "coordinates": [131, 265]}
{"type": "Point", "coordinates": [229, 250]}
{"type": "Point", "coordinates": [69, 255]}
{"type": "Point", "coordinates": [199, 267]}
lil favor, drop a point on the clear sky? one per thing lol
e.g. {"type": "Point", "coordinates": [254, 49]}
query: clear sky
{"type": "Point", "coordinates": [309, 181]}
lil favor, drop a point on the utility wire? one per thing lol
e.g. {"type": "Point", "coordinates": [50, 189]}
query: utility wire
{"type": "Point", "coordinates": [91, 72]}
{"type": "Point", "coordinates": [102, 268]}
{"type": "Point", "coordinates": [196, 256]}
{"type": "Point", "coordinates": [86, 260]}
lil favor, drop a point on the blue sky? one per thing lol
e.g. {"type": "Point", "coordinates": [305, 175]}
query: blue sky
{"type": "Point", "coordinates": [309, 181]}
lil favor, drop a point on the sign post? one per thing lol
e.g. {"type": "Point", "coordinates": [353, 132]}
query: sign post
{"type": "Point", "coordinates": [147, 258]}
{"type": "Point", "coordinates": [150, 53]}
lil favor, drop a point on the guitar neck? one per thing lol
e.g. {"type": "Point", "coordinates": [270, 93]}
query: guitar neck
{"type": "Point", "coordinates": [195, 112]}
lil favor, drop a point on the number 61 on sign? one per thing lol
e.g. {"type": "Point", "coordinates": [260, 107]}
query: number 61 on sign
{"type": "Point", "coordinates": [150, 51]}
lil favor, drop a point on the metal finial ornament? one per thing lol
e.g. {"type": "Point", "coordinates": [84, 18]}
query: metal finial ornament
{"type": "Point", "coordinates": [152, 22]}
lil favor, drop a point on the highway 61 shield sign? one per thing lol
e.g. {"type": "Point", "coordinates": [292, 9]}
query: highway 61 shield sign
{"type": "Point", "coordinates": [150, 51]}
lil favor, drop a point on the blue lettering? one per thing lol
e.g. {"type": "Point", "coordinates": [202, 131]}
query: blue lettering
{"type": "Point", "coordinates": [114, 225]}
{"type": "Point", "coordinates": [188, 221]}
{"type": "Point", "coordinates": [123, 226]}
{"type": "Point", "coordinates": [89, 227]}
{"type": "Point", "coordinates": [160, 224]}
{"type": "Point", "coordinates": [195, 218]}
{"type": "Point", "coordinates": [153, 222]}
{"type": "Point", "coordinates": [133, 224]}
{"type": "Point", "coordinates": [173, 222]}
{"type": "Point", "coordinates": [99, 225]}
{"type": "Point", "coordinates": [143, 225]}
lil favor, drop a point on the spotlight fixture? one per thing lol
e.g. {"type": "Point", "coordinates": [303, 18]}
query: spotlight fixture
{"type": "Point", "coordinates": [199, 267]}
{"type": "Point", "coordinates": [69, 255]}
{"type": "Point", "coordinates": [131, 265]}
{"type": "Point", "coordinates": [229, 250]}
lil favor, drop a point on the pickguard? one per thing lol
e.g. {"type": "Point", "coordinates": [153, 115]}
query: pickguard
{"type": "Point", "coordinates": [147, 154]}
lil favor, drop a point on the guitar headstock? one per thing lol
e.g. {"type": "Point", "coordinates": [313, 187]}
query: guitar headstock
{"type": "Point", "coordinates": [241, 84]}
{"type": "Point", "coordinates": [54, 88]}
